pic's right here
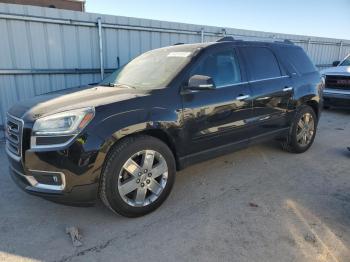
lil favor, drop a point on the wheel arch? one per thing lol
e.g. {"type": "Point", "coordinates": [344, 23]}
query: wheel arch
{"type": "Point", "coordinates": [315, 106]}
{"type": "Point", "coordinates": [118, 136]}
{"type": "Point", "coordinates": [310, 100]}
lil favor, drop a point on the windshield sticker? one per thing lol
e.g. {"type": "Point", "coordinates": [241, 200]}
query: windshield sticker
{"type": "Point", "coordinates": [179, 54]}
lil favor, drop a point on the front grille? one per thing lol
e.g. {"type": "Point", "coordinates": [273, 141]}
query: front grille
{"type": "Point", "coordinates": [14, 127]}
{"type": "Point", "coordinates": [338, 82]}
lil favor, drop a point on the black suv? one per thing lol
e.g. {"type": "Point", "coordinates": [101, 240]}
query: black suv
{"type": "Point", "coordinates": [124, 139]}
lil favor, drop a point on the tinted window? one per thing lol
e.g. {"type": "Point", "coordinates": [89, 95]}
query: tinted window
{"type": "Point", "coordinates": [221, 66]}
{"type": "Point", "coordinates": [261, 63]}
{"type": "Point", "coordinates": [346, 61]}
{"type": "Point", "coordinates": [151, 70]}
{"type": "Point", "coordinates": [300, 62]}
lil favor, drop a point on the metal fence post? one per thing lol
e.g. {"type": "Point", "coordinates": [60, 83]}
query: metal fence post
{"type": "Point", "coordinates": [223, 31]}
{"type": "Point", "coordinates": [340, 49]}
{"type": "Point", "coordinates": [308, 45]}
{"type": "Point", "coordinates": [99, 24]}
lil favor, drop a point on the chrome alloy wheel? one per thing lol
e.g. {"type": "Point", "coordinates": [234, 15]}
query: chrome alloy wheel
{"type": "Point", "coordinates": [305, 129]}
{"type": "Point", "coordinates": [142, 178]}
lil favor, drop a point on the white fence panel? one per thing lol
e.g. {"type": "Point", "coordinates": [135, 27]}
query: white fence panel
{"type": "Point", "coordinates": [44, 49]}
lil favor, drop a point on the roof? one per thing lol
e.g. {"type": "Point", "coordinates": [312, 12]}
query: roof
{"type": "Point", "coordinates": [181, 47]}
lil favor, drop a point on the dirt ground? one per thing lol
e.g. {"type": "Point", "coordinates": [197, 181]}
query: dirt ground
{"type": "Point", "coordinates": [257, 204]}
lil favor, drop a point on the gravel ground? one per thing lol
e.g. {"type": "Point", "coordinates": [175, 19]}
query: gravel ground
{"type": "Point", "coordinates": [257, 204]}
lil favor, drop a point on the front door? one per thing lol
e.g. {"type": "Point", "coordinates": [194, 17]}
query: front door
{"type": "Point", "coordinates": [214, 118]}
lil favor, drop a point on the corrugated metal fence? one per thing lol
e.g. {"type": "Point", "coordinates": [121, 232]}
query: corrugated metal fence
{"type": "Point", "coordinates": [44, 49]}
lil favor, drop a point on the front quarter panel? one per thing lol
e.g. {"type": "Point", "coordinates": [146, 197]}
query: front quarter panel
{"type": "Point", "coordinates": [115, 126]}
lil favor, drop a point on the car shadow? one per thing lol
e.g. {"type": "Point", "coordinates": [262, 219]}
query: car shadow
{"type": "Point", "coordinates": [342, 111]}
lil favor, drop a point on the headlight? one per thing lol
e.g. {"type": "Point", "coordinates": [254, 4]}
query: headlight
{"type": "Point", "coordinates": [69, 122]}
{"type": "Point", "coordinates": [61, 127]}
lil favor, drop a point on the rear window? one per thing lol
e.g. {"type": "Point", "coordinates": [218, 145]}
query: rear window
{"type": "Point", "coordinates": [261, 63]}
{"type": "Point", "coordinates": [298, 59]}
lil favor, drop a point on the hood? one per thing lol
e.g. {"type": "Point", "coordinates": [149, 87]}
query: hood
{"type": "Point", "coordinates": [72, 98]}
{"type": "Point", "coordinates": [337, 70]}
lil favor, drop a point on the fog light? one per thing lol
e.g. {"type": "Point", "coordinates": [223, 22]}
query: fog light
{"type": "Point", "coordinates": [47, 178]}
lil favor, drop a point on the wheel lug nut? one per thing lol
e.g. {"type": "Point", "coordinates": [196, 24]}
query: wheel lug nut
{"type": "Point", "coordinates": [139, 174]}
{"type": "Point", "coordinates": [138, 181]}
{"type": "Point", "coordinates": [145, 170]}
{"type": "Point", "coordinates": [150, 174]}
{"type": "Point", "coordinates": [142, 184]}
{"type": "Point", "coordinates": [148, 181]}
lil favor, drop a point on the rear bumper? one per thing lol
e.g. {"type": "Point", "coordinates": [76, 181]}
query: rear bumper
{"type": "Point", "coordinates": [336, 98]}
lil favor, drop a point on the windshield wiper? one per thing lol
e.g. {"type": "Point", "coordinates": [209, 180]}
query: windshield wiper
{"type": "Point", "coordinates": [120, 85]}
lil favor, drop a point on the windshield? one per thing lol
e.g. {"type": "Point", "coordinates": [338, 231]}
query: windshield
{"type": "Point", "coordinates": [151, 70]}
{"type": "Point", "coordinates": [346, 61]}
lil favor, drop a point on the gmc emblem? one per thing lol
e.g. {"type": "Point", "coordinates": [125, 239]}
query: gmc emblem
{"type": "Point", "coordinates": [343, 82]}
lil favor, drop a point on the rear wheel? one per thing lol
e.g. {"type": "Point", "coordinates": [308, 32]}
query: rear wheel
{"type": "Point", "coordinates": [138, 176]}
{"type": "Point", "coordinates": [302, 131]}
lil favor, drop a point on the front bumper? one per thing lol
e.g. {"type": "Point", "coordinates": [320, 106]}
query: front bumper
{"type": "Point", "coordinates": [336, 98]}
{"type": "Point", "coordinates": [67, 175]}
{"type": "Point", "coordinates": [84, 195]}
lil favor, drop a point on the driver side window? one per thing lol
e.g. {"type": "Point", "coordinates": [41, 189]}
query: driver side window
{"type": "Point", "coordinates": [221, 66]}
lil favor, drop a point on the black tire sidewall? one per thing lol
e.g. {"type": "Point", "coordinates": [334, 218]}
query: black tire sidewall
{"type": "Point", "coordinates": [114, 199]}
{"type": "Point", "coordinates": [293, 135]}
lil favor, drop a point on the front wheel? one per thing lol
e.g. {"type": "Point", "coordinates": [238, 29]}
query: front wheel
{"type": "Point", "coordinates": [302, 131]}
{"type": "Point", "coordinates": [138, 176]}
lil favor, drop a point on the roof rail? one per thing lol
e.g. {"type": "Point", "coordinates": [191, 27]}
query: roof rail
{"type": "Point", "coordinates": [262, 39]}
{"type": "Point", "coordinates": [225, 39]}
{"type": "Point", "coordinates": [179, 44]}
{"type": "Point", "coordinates": [286, 41]}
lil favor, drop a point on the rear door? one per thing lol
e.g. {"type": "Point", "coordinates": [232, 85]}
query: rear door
{"type": "Point", "coordinates": [271, 89]}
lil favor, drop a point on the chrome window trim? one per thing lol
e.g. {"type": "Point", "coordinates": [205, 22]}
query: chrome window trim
{"type": "Point", "coordinates": [266, 79]}
{"type": "Point", "coordinates": [234, 84]}
{"type": "Point", "coordinates": [34, 183]}
{"type": "Point", "coordinates": [253, 81]}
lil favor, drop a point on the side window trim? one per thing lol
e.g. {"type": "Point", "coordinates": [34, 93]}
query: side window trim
{"type": "Point", "coordinates": [266, 79]}
{"type": "Point", "coordinates": [235, 84]}
{"type": "Point", "coordinates": [255, 81]}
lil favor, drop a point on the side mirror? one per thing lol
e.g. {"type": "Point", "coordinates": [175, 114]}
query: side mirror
{"type": "Point", "coordinates": [201, 82]}
{"type": "Point", "coordinates": [336, 63]}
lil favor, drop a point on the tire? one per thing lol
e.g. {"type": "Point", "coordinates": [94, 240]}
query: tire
{"type": "Point", "coordinates": [294, 143]}
{"type": "Point", "coordinates": [116, 180]}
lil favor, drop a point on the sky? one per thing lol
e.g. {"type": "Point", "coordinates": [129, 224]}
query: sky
{"type": "Point", "coordinates": [324, 18]}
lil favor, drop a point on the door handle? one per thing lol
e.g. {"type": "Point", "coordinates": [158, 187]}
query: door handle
{"type": "Point", "coordinates": [287, 88]}
{"type": "Point", "coordinates": [242, 97]}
